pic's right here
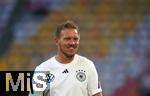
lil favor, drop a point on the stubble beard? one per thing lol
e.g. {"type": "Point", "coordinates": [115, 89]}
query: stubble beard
{"type": "Point", "coordinates": [69, 56]}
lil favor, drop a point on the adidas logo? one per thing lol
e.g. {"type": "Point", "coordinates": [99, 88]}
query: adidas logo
{"type": "Point", "coordinates": [65, 71]}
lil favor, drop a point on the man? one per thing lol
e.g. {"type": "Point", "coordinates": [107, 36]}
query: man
{"type": "Point", "coordinates": [70, 73]}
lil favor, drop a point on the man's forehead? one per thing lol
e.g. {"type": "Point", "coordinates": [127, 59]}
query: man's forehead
{"type": "Point", "coordinates": [67, 32]}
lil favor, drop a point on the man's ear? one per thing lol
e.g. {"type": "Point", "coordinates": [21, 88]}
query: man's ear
{"type": "Point", "coordinates": [56, 39]}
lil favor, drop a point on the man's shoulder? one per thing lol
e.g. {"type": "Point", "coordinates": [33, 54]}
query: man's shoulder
{"type": "Point", "coordinates": [85, 62]}
{"type": "Point", "coordinates": [83, 59]}
{"type": "Point", "coordinates": [45, 66]}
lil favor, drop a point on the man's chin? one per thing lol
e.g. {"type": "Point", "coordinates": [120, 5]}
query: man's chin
{"type": "Point", "coordinates": [71, 55]}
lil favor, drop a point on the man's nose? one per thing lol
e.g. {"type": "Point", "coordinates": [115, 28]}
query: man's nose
{"type": "Point", "coordinates": [72, 42]}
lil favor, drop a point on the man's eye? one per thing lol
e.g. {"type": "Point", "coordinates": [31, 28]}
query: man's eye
{"type": "Point", "coordinates": [67, 38]}
{"type": "Point", "coordinates": [75, 39]}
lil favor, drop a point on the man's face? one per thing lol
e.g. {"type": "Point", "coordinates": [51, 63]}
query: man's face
{"type": "Point", "coordinates": [68, 42]}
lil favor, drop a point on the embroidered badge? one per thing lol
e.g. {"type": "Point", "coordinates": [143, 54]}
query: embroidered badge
{"type": "Point", "coordinates": [81, 76]}
{"type": "Point", "coordinates": [49, 77]}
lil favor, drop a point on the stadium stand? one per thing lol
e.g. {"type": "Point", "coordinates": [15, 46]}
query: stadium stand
{"type": "Point", "coordinates": [114, 34]}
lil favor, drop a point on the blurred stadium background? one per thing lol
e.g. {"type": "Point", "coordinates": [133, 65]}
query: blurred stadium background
{"type": "Point", "coordinates": [115, 34]}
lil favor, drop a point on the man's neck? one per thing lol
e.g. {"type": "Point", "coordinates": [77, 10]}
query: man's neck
{"type": "Point", "coordinates": [64, 59]}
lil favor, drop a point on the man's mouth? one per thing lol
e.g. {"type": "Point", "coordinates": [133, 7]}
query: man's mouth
{"type": "Point", "coordinates": [71, 48]}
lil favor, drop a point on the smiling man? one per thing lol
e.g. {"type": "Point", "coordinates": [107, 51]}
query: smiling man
{"type": "Point", "coordinates": [70, 73]}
